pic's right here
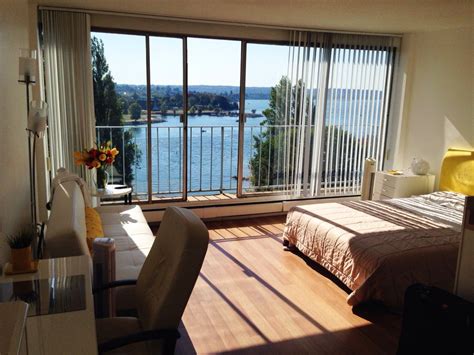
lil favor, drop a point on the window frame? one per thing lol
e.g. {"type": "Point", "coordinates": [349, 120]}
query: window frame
{"type": "Point", "coordinates": [243, 62]}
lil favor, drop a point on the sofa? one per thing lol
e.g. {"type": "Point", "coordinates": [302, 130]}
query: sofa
{"type": "Point", "coordinates": [125, 224]}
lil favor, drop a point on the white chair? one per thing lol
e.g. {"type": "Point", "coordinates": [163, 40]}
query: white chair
{"type": "Point", "coordinates": [163, 288]}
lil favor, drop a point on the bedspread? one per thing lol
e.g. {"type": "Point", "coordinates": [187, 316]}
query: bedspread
{"type": "Point", "coordinates": [379, 248]}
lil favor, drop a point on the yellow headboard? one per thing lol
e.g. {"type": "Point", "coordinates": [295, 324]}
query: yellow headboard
{"type": "Point", "coordinates": [457, 172]}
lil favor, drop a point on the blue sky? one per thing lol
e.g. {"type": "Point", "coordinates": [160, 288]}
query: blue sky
{"type": "Point", "coordinates": [210, 62]}
{"type": "Point", "coordinates": [217, 62]}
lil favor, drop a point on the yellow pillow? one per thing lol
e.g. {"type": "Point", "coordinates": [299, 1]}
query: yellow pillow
{"type": "Point", "coordinates": [93, 226]}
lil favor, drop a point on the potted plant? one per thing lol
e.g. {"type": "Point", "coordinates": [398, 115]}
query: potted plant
{"type": "Point", "coordinates": [20, 245]}
{"type": "Point", "coordinates": [99, 158]}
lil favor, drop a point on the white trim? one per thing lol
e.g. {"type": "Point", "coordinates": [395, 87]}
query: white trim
{"type": "Point", "coordinates": [234, 208]}
{"type": "Point", "coordinates": [213, 22]}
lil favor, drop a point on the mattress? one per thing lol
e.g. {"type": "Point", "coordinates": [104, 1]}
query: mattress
{"type": "Point", "coordinates": [379, 248]}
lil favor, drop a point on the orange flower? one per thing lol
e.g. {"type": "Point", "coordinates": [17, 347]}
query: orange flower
{"type": "Point", "coordinates": [114, 152]}
{"type": "Point", "coordinates": [102, 157]}
{"type": "Point", "coordinates": [96, 164]}
{"type": "Point", "coordinates": [78, 158]}
{"type": "Point", "coordinates": [81, 157]}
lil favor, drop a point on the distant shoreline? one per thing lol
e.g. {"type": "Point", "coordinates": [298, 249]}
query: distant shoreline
{"type": "Point", "coordinates": [224, 114]}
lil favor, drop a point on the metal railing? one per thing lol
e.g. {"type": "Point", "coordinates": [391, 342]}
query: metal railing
{"type": "Point", "coordinates": [212, 160]}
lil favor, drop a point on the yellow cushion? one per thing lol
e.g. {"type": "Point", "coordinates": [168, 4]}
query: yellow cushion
{"type": "Point", "coordinates": [93, 226]}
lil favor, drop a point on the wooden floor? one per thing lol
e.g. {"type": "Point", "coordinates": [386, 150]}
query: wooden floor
{"type": "Point", "coordinates": [254, 297]}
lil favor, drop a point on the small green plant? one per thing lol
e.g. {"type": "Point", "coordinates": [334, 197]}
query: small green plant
{"type": "Point", "coordinates": [22, 239]}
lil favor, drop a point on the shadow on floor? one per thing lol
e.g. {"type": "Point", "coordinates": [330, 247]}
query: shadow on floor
{"type": "Point", "coordinates": [337, 342]}
{"type": "Point", "coordinates": [319, 269]}
{"type": "Point", "coordinates": [184, 345]}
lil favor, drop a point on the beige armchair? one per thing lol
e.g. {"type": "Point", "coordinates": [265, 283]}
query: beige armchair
{"type": "Point", "coordinates": [163, 287]}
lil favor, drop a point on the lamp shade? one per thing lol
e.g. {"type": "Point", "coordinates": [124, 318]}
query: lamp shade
{"type": "Point", "coordinates": [27, 67]}
{"type": "Point", "coordinates": [37, 116]}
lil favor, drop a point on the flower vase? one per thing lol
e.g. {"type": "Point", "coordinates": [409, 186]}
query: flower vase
{"type": "Point", "coordinates": [102, 179]}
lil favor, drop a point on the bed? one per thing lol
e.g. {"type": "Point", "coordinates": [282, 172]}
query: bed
{"type": "Point", "coordinates": [379, 248]}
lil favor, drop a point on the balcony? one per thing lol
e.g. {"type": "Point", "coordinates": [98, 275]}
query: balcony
{"type": "Point", "coordinates": [212, 156]}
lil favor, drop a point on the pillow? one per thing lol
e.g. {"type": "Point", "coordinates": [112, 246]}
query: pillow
{"type": "Point", "coordinates": [93, 226]}
{"type": "Point", "coordinates": [448, 199]}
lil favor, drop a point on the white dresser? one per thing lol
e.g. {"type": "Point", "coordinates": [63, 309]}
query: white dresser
{"type": "Point", "coordinates": [393, 186]}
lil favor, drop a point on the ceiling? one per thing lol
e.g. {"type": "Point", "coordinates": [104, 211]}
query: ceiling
{"type": "Point", "coordinates": [385, 16]}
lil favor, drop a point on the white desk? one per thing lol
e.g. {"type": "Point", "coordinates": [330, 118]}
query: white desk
{"type": "Point", "coordinates": [61, 333]}
{"type": "Point", "coordinates": [12, 327]}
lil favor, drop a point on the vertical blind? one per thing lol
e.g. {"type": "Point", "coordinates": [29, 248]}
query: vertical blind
{"type": "Point", "coordinates": [332, 112]}
{"type": "Point", "coordinates": [68, 86]}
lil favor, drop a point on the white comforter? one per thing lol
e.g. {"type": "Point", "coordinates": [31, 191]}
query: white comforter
{"type": "Point", "coordinates": [379, 248]}
{"type": "Point", "coordinates": [441, 206]}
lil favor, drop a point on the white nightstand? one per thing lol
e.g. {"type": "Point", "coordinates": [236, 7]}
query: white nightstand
{"type": "Point", "coordinates": [395, 186]}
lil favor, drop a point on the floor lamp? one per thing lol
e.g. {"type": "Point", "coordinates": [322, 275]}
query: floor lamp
{"type": "Point", "coordinates": [36, 123]}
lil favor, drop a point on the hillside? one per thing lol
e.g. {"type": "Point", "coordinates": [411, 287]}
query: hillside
{"type": "Point", "coordinates": [232, 92]}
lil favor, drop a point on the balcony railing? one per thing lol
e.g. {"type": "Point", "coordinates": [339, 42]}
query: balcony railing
{"type": "Point", "coordinates": [212, 160]}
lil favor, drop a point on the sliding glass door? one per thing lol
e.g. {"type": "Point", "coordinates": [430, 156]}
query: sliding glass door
{"type": "Point", "coordinates": [167, 117]}
{"type": "Point", "coordinates": [326, 112]}
{"type": "Point", "coordinates": [213, 112]}
{"type": "Point", "coordinates": [357, 100]}
{"type": "Point", "coordinates": [230, 118]}
{"type": "Point", "coordinates": [266, 129]}
{"type": "Point", "coordinates": [120, 99]}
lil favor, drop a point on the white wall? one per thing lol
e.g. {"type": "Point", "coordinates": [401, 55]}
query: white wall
{"type": "Point", "coordinates": [14, 184]}
{"type": "Point", "coordinates": [438, 70]}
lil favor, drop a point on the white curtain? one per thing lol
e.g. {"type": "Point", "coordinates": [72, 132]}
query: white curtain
{"type": "Point", "coordinates": [68, 85]}
{"type": "Point", "coordinates": [334, 111]}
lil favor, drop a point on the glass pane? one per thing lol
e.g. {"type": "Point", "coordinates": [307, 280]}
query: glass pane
{"type": "Point", "coordinates": [120, 101]}
{"type": "Point", "coordinates": [166, 72]}
{"type": "Point", "coordinates": [355, 125]}
{"type": "Point", "coordinates": [266, 81]}
{"type": "Point", "coordinates": [213, 101]}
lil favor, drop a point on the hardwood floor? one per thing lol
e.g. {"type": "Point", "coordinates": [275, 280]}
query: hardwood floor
{"type": "Point", "coordinates": [254, 297]}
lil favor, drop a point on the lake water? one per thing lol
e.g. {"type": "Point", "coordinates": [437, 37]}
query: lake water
{"type": "Point", "coordinates": [210, 167]}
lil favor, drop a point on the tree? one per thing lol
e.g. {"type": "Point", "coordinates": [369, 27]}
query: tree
{"type": "Point", "coordinates": [221, 102]}
{"type": "Point", "coordinates": [193, 100]}
{"type": "Point", "coordinates": [135, 111]}
{"type": "Point", "coordinates": [108, 112]}
{"type": "Point", "coordinates": [279, 139]}
{"type": "Point", "coordinates": [164, 108]}
{"type": "Point", "coordinates": [123, 104]}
